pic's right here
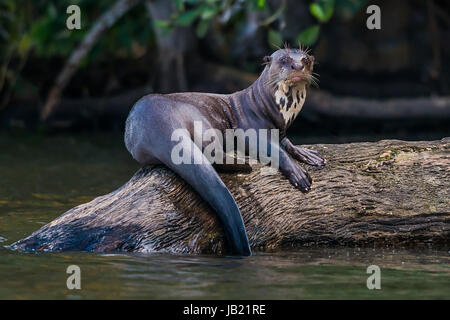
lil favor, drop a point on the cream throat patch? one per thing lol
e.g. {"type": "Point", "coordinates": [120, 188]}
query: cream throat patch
{"type": "Point", "coordinates": [290, 100]}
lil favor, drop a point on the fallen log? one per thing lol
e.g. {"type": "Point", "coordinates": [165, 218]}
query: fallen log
{"type": "Point", "coordinates": [391, 192]}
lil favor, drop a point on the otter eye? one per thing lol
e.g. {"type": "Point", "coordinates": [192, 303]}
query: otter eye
{"type": "Point", "coordinates": [285, 60]}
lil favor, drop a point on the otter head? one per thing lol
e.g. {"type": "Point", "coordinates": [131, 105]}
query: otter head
{"type": "Point", "coordinates": [288, 74]}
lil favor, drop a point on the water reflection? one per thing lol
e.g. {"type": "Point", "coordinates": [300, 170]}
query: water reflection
{"type": "Point", "coordinates": [309, 273]}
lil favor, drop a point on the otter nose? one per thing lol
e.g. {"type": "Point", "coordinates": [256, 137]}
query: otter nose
{"type": "Point", "coordinates": [297, 66]}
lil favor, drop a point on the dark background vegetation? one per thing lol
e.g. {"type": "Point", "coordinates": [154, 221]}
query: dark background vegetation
{"type": "Point", "coordinates": [217, 46]}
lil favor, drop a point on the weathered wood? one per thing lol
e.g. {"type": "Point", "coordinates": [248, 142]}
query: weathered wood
{"type": "Point", "coordinates": [386, 193]}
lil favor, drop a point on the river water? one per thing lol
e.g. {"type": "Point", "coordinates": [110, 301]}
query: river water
{"type": "Point", "coordinates": [42, 176]}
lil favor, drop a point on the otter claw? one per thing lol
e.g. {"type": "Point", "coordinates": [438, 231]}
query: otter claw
{"type": "Point", "coordinates": [301, 180]}
{"type": "Point", "coordinates": [311, 157]}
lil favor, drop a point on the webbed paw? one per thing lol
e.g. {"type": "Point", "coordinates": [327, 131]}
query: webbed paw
{"type": "Point", "coordinates": [300, 179]}
{"type": "Point", "coordinates": [308, 156]}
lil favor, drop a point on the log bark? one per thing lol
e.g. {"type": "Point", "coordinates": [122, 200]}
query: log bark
{"type": "Point", "coordinates": [391, 192]}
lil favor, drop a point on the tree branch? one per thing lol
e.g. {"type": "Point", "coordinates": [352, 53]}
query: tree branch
{"type": "Point", "coordinates": [102, 24]}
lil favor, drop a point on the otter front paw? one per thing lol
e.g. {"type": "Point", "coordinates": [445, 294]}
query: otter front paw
{"type": "Point", "coordinates": [300, 179]}
{"type": "Point", "coordinates": [311, 157]}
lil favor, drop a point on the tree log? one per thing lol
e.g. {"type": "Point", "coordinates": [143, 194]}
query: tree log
{"type": "Point", "coordinates": [391, 192]}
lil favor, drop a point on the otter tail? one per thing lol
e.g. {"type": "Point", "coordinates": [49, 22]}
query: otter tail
{"type": "Point", "coordinates": [205, 180]}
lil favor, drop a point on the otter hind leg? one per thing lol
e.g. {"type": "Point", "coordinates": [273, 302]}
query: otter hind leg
{"type": "Point", "coordinates": [205, 180]}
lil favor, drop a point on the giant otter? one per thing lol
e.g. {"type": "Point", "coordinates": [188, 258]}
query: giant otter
{"type": "Point", "coordinates": [272, 102]}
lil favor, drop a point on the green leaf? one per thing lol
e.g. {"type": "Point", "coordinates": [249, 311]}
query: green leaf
{"type": "Point", "coordinates": [328, 10]}
{"type": "Point", "coordinates": [164, 26]}
{"type": "Point", "coordinates": [208, 13]}
{"type": "Point", "coordinates": [202, 28]}
{"type": "Point", "coordinates": [179, 4]}
{"type": "Point", "coordinates": [317, 11]}
{"type": "Point", "coordinates": [41, 33]}
{"type": "Point", "coordinates": [162, 23]}
{"type": "Point", "coordinates": [309, 36]}
{"type": "Point", "coordinates": [52, 11]}
{"type": "Point", "coordinates": [275, 38]}
{"type": "Point", "coordinates": [322, 10]}
{"type": "Point", "coordinates": [188, 17]}
{"type": "Point", "coordinates": [346, 9]}
{"type": "Point", "coordinates": [256, 4]}
{"type": "Point", "coordinates": [24, 44]}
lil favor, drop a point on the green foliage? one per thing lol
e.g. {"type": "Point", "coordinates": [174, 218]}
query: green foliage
{"type": "Point", "coordinates": [188, 17]}
{"type": "Point", "coordinates": [261, 3]}
{"type": "Point", "coordinates": [43, 27]}
{"type": "Point", "coordinates": [275, 38]}
{"type": "Point", "coordinates": [24, 45]}
{"type": "Point", "coordinates": [202, 28]}
{"type": "Point", "coordinates": [323, 11]}
{"type": "Point", "coordinates": [309, 36]}
{"type": "Point", "coordinates": [179, 5]}
{"type": "Point", "coordinates": [39, 27]}
{"type": "Point", "coordinates": [203, 12]}
{"type": "Point", "coordinates": [346, 9]}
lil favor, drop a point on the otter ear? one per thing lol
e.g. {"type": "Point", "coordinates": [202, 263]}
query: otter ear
{"type": "Point", "coordinates": [267, 59]}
